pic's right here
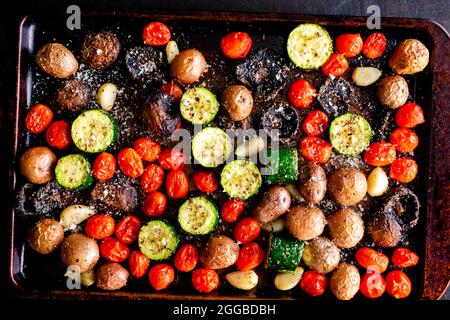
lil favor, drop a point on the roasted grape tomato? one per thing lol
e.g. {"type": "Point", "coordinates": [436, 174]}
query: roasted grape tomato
{"type": "Point", "coordinates": [250, 256]}
{"type": "Point", "coordinates": [152, 178]}
{"type": "Point", "coordinates": [315, 149]}
{"type": "Point", "coordinates": [372, 285]}
{"type": "Point", "coordinates": [404, 140]}
{"type": "Point", "coordinates": [161, 276]}
{"type": "Point", "coordinates": [404, 258]}
{"type": "Point", "coordinates": [380, 154]}
{"type": "Point", "coordinates": [301, 94]}
{"type": "Point", "coordinates": [154, 204]}
{"type": "Point", "coordinates": [313, 283]}
{"type": "Point", "coordinates": [350, 45]}
{"type": "Point", "coordinates": [130, 163]}
{"type": "Point", "coordinates": [147, 149]}
{"type": "Point", "coordinates": [409, 115]}
{"type": "Point", "coordinates": [403, 170]}
{"type": "Point", "coordinates": [113, 250]}
{"type": "Point", "coordinates": [104, 166]}
{"type": "Point", "coordinates": [232, 209]}
{"type": "Point", "coordinates": [100, 226]}
{"type": "Point", "coordinates": [177, 185]}
{"type": "Point", "coordinates": [171, 159]}
{"type": "Point", "coordinates": [58, 135]}
{"type": "Point", "coordinates": [38, 118]}
{"type": "Point", "coordinates": [236, 45]}
{"type": "Point", "coordinates": [247, 230]}
{"type": "Point", "coordinates": [398, 284]}
{"type": "Point", "coordinates": [315, 123]}
{"type": "Point", "coordinates": [186, 258]}
{"type": "Point", "coordinates": [205, 181]}
{"type": "Point", "coordinates": [374, 46]}
{"type": "Point", "coordinates": [127, 229]}
{"type": "Point", "coordinates": [156, 34]}
{"type": "Point", "coordinates": [336, 65]}
{"type": "Point", "coordinates": [205, 280]}
{"type": "Point", "coordinates": [372, 260]}
{"type": "Point", "coordinates": [138, 264]}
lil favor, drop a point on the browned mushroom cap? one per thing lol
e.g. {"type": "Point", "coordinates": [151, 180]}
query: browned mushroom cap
{"type": "Point", "coordinates": [100, 49]}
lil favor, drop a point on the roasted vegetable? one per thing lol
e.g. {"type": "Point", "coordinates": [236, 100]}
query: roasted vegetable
{"type": "Point", "coordinates": [219, 252]}
{"type": "Point", "coordinates": [288, 280]}
{"type": "Point", "coordinates": [347, 186]}
{"type": "Point", "coordinates": [106, 96]}
{"type": "Point", "coordinates": [284, 252]}
{"type": "Point", "coordinates": [111, 276]}
{"type": "Point", "coordinates": [321, 255]}
{"type": "Point", "coordinates": [305, 222]}
{"type": "Point", "coordinates": [37, 164]}
{"type": "Point", "coordinates": [45, 236]}
{"type": "Point", "coordinates": [385, 230]}
{"type": "Point", "coordinates": [283, 165]}
{"type": "Point", "coordinates": [244, 280]}
{"type": "Point", "coordinates": [74, 214]}
{"type": "Point", "coordinates": [344, 282]}
{"type": "Point", "coordinates": [365, 76]}
{"type": "Point", "coordinates": [100, 50]}
{"type": "Point", "coordinates": [238, 101]}
{"type": "Point", "coordinates": [81, 251]}
{"type": "Point", "coordinates": [188, 66]}
{"type": "Point", "coordinates": [393, 91]}
{"type": "Point", "coordinates": [56, 60]}
{"type": "Point", "coordinates": [409, 57]}
{"type": "Point", "coordinates": [346, 227]}
{"type": "Point", "coordinates": [274, 203]}
{"type": "Point", "coordinates": [73, 96]}
{"type": "Point", "coordinates": [312, 183]}
{"type": "Point", "coordinates": [144, 64]}
{"type": "Point", "coordinates": [280, 122]}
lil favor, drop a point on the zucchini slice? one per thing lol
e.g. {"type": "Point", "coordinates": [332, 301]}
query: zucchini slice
{"type": "Point", "coordinates": [199, 105]}
{"type": "Point", "coordinates": [157, 240]}
{"type": "Point", "coordinates": [74, 172]}
{"type": "Point", "coordinates": [309, 46]}
{"type": "Point", "coordinates": [211, 147]}
{"type": "Point", "coordinates": [350, 134]}
{"type": "Point", "coordinates": [240, 179]}
{"type": "Point", "coordinates": [198, 216]}
{"type": "Point", "coordinates": [284, 165]}
{"type": "Point", "coordinates": [284, 252]}
{"type": "Point", "coordinates": [93, 131]}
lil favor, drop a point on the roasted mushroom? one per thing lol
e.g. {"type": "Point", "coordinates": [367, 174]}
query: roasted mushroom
{"type": "Point", "coordinates": [73, 96]}
{"type": "Point", "coordinates": [145, 64]}
{"type": "Point", "coordinates": [100, 50]}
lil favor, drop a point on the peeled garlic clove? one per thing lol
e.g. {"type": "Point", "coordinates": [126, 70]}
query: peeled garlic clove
{"type": "Point", "coordinates": [75, 214]}
{"type": "Point", "coordinates": [251, 147]}
{"type": "Point", "coordinates": [244, 280]}
{"type": "Point", "coordinates": [171, 51]}
{"type": "Point", "coordinates": [106, 96]}
{"type": "Point", "coordinates": [87, 278]}
{"type": "Point", "coordinates": [377, 182]}
{"type": "Point", "coordinates": [365, 76]}
{"type": "Point", "coordinates": [287, 280]}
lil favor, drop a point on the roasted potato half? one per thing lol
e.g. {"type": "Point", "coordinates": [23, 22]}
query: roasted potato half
{"type": "Point", "coordinates": [409, 57]}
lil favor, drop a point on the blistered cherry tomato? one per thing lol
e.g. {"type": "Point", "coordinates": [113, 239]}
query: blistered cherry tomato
{"type": "Point", "coordinates": [100, 226]}
{"type": "Point", "coordinates": [205, 280]}
{"type": "Point", "coordinates": [250, 256]}
{"type": "Point", "coordinates": [398, 284]}
{"type": "Point", "coordinates": [350, 45]}
{"type": "Point", "coordinates": [313, 283]}
{"type": "Point", "coordinates": [173, 90]}
{"type": "Point", "coordinates": [372, 285]}
{"type": "Point", "coordinates": [130, 163]}
{"type": "Point", "coordinates": [403, 170]}
{"type": "Point", "coordinates": [156, 34]}
{"type": "Point", "coordinates": [113, 250]}
{"type": "Point", "coordinates": [138, 264]}
{"type": "Point", "coordinates": [301, 94]}
{"type": "Point", "coordinates": [161, 276]}
{"type": "Point", "coordinates": [154, 204]}
{"type": "Point", "coordinates": [232, 209]}
{"type": "Point", "coordinates": [147, 149]}
{"type": "Point", "coordinates": [171, 159]}
{"type": "Point", "coordinates": [104, 166]}
{"type": "Point", "coordinates": [38, 118]}
{"type": "Point", "coordinates": [177, 185]}
{"type": "Point", "coordinates": [247, 230]}
{"type": "Point", "coordinates": [236, 45]}
{"type": "Point", "coordinates": [404, 258]}
{"type": "Point", "coordinates": [152, 179]}
{"type": "Point", "coordinates": [315, 123]}
{"type": "Point", "coordinates": [374, 46]}
{"type": "Point", "coordinates": [205, 181]}
{"type": "Point", "coordinates": [380, 154]}
{"type": "Point", "coordinates": [409, 115]}
{"type": "Point", "coordinates": [315, 149]}
{"type": "Point", "coordinates": [186, 258]}
{"type": "Point", "coordinates": [336, 65]}
{"type": "Point", "coordinates": [127, 229]}
{"type": "Point", "coordinates": [404, 140]}
{"type": "Point", "coordinates": [58, 135]}
{"type": "Point", "coordinates": [372, 260]}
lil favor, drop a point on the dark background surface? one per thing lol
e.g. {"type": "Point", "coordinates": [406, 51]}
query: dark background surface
{"type": "Point", "coordinates": [437, 10]}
